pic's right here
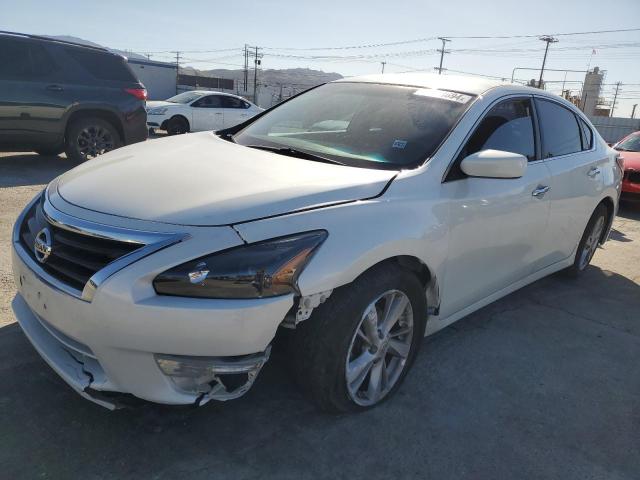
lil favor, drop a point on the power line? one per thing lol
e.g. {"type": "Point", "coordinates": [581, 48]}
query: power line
{"type": "Point", "coordinates": [470, 37]}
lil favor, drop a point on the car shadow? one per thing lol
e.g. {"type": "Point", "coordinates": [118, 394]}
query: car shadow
{"type": "Point", "coordinates": [521, 379]}
{"type": "Point", "coordinates": [23, 169]}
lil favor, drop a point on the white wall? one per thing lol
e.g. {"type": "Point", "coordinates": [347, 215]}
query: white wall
{"type": "Point", "coordinates": [158, 78]}
{"type": "Point", "coordinates": [613, 129]}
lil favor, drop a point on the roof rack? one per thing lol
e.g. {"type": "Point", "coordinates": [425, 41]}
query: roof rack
{"type": "Point", "coordinates": [51, 39]}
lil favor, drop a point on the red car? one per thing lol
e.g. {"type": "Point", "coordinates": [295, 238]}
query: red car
{"type": "Point", "coordinates": [629, 147]}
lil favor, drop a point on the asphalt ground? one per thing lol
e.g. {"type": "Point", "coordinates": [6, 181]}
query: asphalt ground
{"type": "Point", "coordinates": [543, 384]}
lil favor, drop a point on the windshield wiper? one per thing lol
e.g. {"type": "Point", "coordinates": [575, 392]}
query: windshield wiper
{"type": "Point", "coordinates": [294, 152]}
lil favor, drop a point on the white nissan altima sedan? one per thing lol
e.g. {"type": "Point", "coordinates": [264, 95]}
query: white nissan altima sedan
{"type": "Point", "coordinates": [362, 214]}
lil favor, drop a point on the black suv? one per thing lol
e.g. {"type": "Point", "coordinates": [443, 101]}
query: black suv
{"type": "Point", "coordinates": [58, 96]}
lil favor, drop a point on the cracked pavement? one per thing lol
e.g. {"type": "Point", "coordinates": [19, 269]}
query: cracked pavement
{"type": "Point", "coordinates": [543, 384]}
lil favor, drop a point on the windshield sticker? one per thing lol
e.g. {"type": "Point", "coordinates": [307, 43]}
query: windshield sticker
{"type": "Point", "coordinates": [399, 144]}
{"type": "Point", "coordinates": [452, 96]}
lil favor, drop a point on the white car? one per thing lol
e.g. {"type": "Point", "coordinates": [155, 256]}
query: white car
{"type": "Point", "coordinates": [199, 110]}
{"type": "Point", "coordinates": [363, 214]}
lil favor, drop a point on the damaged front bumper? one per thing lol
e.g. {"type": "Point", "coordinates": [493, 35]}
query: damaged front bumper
{"type": "Point", "coordinates": [198, 379]}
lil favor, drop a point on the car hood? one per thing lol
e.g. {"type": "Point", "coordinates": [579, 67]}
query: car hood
{"type": "Point", "coordinates": [631, 160]}
{"type": "Point", "coordinates": [200, 179]}
{"type": "Point", "coordinates": [160, 103]}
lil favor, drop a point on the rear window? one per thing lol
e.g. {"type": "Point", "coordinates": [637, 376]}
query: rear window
{"type": "Point", "coordinates": [104, 66]}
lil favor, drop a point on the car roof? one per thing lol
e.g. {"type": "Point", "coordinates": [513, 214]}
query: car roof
{"type": "Point", "coordinates": [42, 38]}
{"type": "Point", "coordinates": [207, 92]}
{"type": "Point", "coordinates": [457, 83]}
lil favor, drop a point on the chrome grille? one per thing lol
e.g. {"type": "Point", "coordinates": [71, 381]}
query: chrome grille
{"type": "Point", "coordinates": [74, 257]}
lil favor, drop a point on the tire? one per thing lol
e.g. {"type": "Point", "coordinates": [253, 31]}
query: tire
{"type": "Point", "coordinates": [327, 346]}
{"type": "Point", "coordinates": [177, 126]}
{"type": "Point", "coordinates": [589, 241]}
{"type": "Point", "coordinates": [90, 137]}
{"type": "Point", "coordinates": [50, 152]}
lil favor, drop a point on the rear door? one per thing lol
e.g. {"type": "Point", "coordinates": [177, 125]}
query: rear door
{"type": "Point", "coordinates": [496, 224]}
{"type": "Point", "coordinates": [207, 113]}
{"type": "Point", "coordinates": [30, 105]}
{"type": "Point", "coordinates": [235, 109]}
{"type": "Point", "coordinates": [577, 180]}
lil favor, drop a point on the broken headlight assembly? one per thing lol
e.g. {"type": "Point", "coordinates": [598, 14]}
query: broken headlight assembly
{"type": "Point", "coordinates": [265, 269]}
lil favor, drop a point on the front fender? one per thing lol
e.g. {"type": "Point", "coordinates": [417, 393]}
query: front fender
{"type": "Point", "coordinates": [362, 234]}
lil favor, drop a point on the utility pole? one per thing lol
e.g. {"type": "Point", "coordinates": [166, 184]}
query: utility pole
{"type": "Point", "coordinates": [442, 52]}
{"type": "Point", "coordinates": [256, 63]}
{"type": "Point", "coordinates": [615, 97]}
{"type": "Point", "coordinates": [549, 40]}
{"type": "Point", "coordinates": [383, 64]}
{"type": "Point", "coordinates": [177, 70]}
{"type": "Point", "coordinates": [246, 66]}
{"type": "Point", "coordinates": [633, 110]}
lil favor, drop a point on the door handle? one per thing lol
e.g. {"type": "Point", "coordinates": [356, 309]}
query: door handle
{"type": "Point", "coordinates": [540, 191]}
{"type": "Point", "coordinates": [218, 113]}
{"type": "Point", "coordinates": [54, 88]}
{"type": "Point", "coordinates": [593, 172]}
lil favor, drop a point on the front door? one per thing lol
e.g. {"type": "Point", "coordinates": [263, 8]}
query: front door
{"type": "Point", "coordinates": [496, 224]}
{"type": "Point", "coordinates": [207, 114]}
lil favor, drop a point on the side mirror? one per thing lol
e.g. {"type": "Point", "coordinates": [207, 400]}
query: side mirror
{"type": "Point", "coordinates": [494, 164]}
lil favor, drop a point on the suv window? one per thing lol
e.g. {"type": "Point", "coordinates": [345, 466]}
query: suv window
{"type": "Point", "coordinates": [102, 65]}
{"type": "Point", "coordinates": [559, 128]}
{"type": "Point", "coordinates": [508, 127]}
{"type": "Point", "coordinates": [232, 102]}
{"type": "Point", "coordinates": [23, 60]}
{"type": "Point", "coordinates": [587, 135]}
{"type": "Point", "coordinates": [210, 101]}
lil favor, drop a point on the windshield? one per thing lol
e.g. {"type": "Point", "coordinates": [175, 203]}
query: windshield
{"type": "Point", "coordinates": [185, 97]}
{"type": "Point", "coordinates": [630, 144]}
{"type": "Point", "coordinates": [361, 124]}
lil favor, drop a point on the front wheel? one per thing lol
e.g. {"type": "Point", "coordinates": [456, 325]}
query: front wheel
{"type": "Point", "coordinates": [356, 348]}
{"type": "Point", "coordinates": [589, 241]}
{"type": "Point", "coordinates": [177, 126]}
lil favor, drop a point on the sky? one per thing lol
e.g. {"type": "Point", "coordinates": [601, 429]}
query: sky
{"type": "Point", "coordinates": [313, 34]}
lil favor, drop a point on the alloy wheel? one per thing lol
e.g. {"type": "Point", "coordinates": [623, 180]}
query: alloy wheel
{"type": "Point", "coordinates": [591, 243]}
{"type": "Point", "coordinates": [379, 348]}
{"type": "Point", "coordinates": [94, 140]}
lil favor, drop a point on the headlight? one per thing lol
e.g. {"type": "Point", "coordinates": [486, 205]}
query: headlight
{"type": "Point", "coordinates": [264, 269]}
{"type": "Point", "coordinates": [157, 111]}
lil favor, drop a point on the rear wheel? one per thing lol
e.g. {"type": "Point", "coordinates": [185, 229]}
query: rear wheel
{"type": "Point", "coordinates": [177, 126]}
{"type": "Point", "coordinates": [357, 347]}
{"type": "Point", "coordinates": [90, 137]}
{"type": "Point", "coordinates": [589, 241]}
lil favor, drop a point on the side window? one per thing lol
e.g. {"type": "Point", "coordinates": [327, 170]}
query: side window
{"type": "Point", "coordinates": [22, 60]}
{"type": "Point", "coordinates": [508, 127]}
{"type": "Point", "coordinates": [210, 101]}
{"type": "Point", "coordinates": [101, 65]}
{"type": "Point", "coordinates": [559, 129]}
{"type": "Point", "coordinates": [587, 135]}
{"type": "Point", "coordinates": [232, 102]}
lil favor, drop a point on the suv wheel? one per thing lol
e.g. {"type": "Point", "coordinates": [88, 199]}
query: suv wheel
{"type": "Point", "coordinates": [89, 137]}
{"type": "Point", "coordinates": [357, 347]}
{"type": "Point", "coordinates": [177, 126]}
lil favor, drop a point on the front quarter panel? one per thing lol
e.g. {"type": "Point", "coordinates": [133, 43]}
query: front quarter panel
{"type": "Point", "coordinates": [364, 233]}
